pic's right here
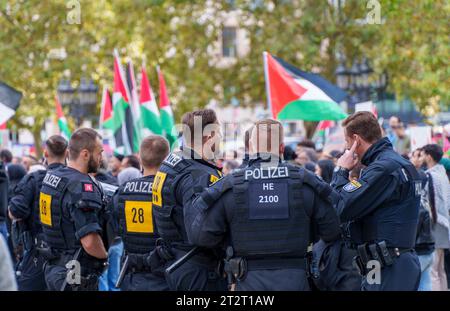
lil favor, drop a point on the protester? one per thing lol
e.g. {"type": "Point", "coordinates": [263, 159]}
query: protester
{"type": "Point", "coordinates": [424, 237]}
{"type": "Point", "coordinates": [402, 142]}
{"type": "Point", "coordinates": [131, 161]}
{"type": "Point", "coordinates": [115, 164]}
{"type": "Point", "coordinates": [324, 169]}
{"type": "Point", "coordinates": [439, 193]}
{"type": "Point", "coordinates": [394, 122]}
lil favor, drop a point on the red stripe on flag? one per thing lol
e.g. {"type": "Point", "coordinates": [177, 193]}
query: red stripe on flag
{"type": "Point", "coordinates": [163, 96]}
{"type": "Point", "coordinates": [146, 89]}
{"type": "Point", "coordinates": [283, 88]}
{"type": "Point", "coordinates": [119, 86]}
{"type": "Point", "coordinates": [59, 111]}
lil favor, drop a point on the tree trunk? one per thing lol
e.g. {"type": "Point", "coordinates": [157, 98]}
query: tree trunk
{"type": "Point", "coordinates": [310, 128]}
{"type": "Point", "coordinates": [37, 141]}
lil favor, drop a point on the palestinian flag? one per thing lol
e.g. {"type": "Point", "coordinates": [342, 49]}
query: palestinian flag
{"type": "Point", "coordinates": [9, 102]}
{"type": "Point", "coordinates": [123, 118]}
{"type": "Point", "coordinates": [167, 119]}
{"type": "Point", "coordinates": [293, 94]}
{"type": "Point", "coordinates": [135, 108]}
{"type": "Point", "coordinates": [106, 111]}
{"type": "Point", "coordinates": [149, 110]}
{"type": "Point", "coordinates": [62, 122]}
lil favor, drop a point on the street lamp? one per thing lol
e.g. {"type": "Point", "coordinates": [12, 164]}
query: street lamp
{"type": "Point", "coordinates": [82, 105]}
{"type": "Point", "coordinates": [342, 76]}
{"type": "Point", "coordinates": [356, 81]}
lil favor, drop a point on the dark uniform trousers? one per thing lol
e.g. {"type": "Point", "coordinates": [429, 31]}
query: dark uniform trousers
{"type": "Point", "coordinates": [143, 281]}
{"type": "Point", "coordinates": [197, 274]}
{"type": "Point", "coordinates": [274, 280]}
{"type": "Point", "coordinates": [403, 274]}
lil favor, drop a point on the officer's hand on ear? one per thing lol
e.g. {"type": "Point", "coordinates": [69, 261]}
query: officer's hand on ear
{"type": "Point", "coordinates": [349, 159]}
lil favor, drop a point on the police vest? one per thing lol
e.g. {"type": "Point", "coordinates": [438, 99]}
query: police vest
{"type": "Point", "coordinates": [34, 221]}
{"type": "Point", "coordinates": [58, 233]}
{"type": "Point", "coordinates": [405, 201]}
{"type": "Point", "coordinates": [60, 188]}
{"type": "Point", "coordinates": [168, 212]}
{"type": "Point", "coordinates": [136, 225]}
{"type": "Point", "coordinates": [269, 218]}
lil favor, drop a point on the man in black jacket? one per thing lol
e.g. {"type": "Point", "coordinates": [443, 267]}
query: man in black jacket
{"type": "Point", "coordinates": [424, 237]}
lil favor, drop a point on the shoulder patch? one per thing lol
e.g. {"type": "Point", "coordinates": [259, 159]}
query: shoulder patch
{"type": "Point", "coordinates": [172, 160]}
{"type": "Point", "coordinates": [352, 186]}
{"type": "Point", "coordinates": [88, 187]}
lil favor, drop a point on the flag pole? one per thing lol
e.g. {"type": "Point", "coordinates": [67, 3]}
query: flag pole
{"type": "Point", "coordinates": [266, 77]}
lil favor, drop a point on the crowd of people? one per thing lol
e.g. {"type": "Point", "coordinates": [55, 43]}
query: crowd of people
{"type": "Point", "coordinates": [124, 179]}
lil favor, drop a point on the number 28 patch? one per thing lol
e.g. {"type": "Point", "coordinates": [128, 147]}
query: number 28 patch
{"type": "Point", "coordinates": [352, 186]}
{"type": "Point", "coordinates": [138, 216]}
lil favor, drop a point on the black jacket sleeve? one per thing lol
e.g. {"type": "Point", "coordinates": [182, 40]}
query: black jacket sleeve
{"type": "Point", "coordinates": [21, 204]}
{"type": "Point", "coordinates": [363, 196]}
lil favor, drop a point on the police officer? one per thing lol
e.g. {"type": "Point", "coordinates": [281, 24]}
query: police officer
{"type": "Point", "coordinates": [71, 207]}
{"type": "Point", "coordinates": [133, 202]}
{"type": "Point", "coordinates": [180, 176]}
{"type": "Point", "coordinates": [266, 212]}
{"type": "Point", "coordinates": [24, 209]}
{"type": "Point", "coordinates": [381, 206]}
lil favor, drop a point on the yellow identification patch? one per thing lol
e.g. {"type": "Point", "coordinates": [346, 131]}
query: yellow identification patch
{"type": "Point", "coordinates": [45, 210]}
{"type": "Point", "coordinates": [213, 179]}
{"type": "Point", "coordinates": [158, 184]}
{"type": "Point", "coordinates": [138, 216]}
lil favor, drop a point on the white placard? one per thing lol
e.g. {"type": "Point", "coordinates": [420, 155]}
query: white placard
{"type": "Point", "coordinates": [420, 136]}
{"type": "Point", "coordinates": [364, 106]}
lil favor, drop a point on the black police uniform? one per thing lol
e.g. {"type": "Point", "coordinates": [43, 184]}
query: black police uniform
{"type": "Point", "coordinates": [382, 206]}
{"type": "Point", "coordinates": [268, 212]}
{"type": "Point", "coordinates": [71, 206]}
{"type": "Point", "coordinates": [180, 176]}
{"type": "Point", "coordinates": [133, 202]}
{"type": "Point", "coordinates": [25, 206]}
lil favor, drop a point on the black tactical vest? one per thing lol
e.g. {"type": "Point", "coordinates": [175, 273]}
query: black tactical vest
{"type": "Point", "coordinates": [38, 176]}
{"type": "Point", "coordinates": [168, 211]}
{"type": "Point", "coordinates": [136, 217]}
{"type": "Point", "coordinates": [60, 188]}
{"type": "Point", "coordinates": [269, 218]}
{"type": "Point", "coordinates": [58, 232]}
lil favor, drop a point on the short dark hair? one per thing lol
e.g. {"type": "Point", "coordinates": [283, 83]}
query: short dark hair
{"type": "Point", "coordinates": [133, 161]}
{"type": "Point", "coordinates": [84, 138]}
{"type": "Point", "coordinates": [364, 124]}
{"type": "Point", "coordinates": [154, 149]}
{"type": "Point", "coordinates": [6, 155]}
{"type": "Point", "coordinates": [208, 116]}
{"type": "Point", "coordinates": [265, 127]}
{"type": "Point", "coordinates": [433, 150]}
{"type": "Point", "coordinates": [56, 146]}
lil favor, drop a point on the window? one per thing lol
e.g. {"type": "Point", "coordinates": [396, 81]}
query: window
{"type": "Point", "coordinates": [229, 42]}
